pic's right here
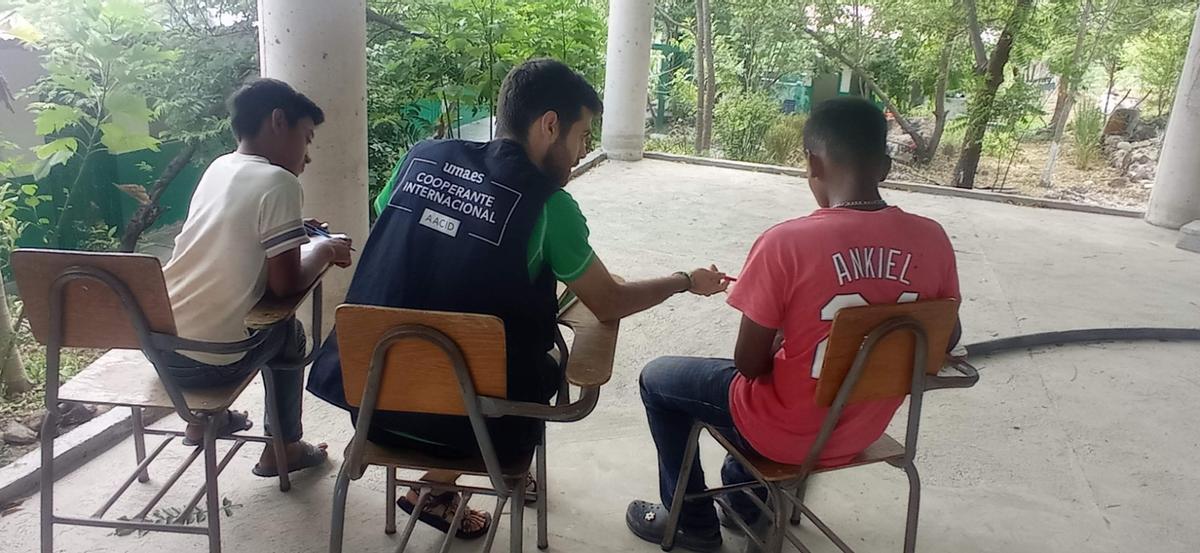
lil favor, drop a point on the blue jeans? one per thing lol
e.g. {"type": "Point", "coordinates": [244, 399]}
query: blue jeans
{"type": "Point", "coordinates": [284, 345]}
{"type": "Point", "coordinates": [677, 392]}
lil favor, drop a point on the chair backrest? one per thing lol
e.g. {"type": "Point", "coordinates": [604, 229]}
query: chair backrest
{"type": "Point", "coordinates": [889, 368]}
{"type": "Point", "coordinates": [418, 376]}
{"type": "Point", "coordinates": [93, 314]}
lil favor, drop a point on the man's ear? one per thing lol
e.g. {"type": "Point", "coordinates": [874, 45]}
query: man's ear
{"type": "Point", "coordinates": [816, 166]}
{"type": "Point", "coordinates": [886, 167]}
{"type": "Point", "coordinates": [279, 122]}
{"type": "Point", "coordinates": [550, 125]}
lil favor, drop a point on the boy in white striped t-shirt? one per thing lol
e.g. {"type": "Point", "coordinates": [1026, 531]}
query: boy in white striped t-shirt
{"type": "Point", "coordinates": [243, 237]}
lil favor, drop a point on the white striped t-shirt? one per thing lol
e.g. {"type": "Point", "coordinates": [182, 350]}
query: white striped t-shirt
{"type": "Point", "coordinates": [244, 211]}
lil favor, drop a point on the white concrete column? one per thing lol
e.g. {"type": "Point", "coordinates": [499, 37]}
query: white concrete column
{"type": "Point", "coordinates": [627, 72]}
{"type": "Point", "coordinates": [319, 47]}
{"type": "Point", "coordinates": [1175, 200]}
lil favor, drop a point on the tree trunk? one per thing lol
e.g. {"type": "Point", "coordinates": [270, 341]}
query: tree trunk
{"type": "Point", "coordinates": [12, 369]}
{"type": "Point", "coordinates": [1062, 96]}
{"type": "Point", "coordinates": [701, 82]}
{"type": "Point", "coordinates": [710, 103]}
{"type": "Point", "coordinates": [147, 213]}
{"type": "Point", "coordinates": [983, 102]}
{"type": "Point", "coordinates": [1066, 97]}
{"type": "Point", "coordinates": [706, 89]}
{"type": "Point", "coordinates": [1060, 126]}
{"type": "Point", "coordinates": [926, 154]}
{"type": "Point", "coordinates": [1111, 69]}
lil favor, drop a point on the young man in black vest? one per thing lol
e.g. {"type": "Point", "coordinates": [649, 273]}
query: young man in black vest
{"type": "Point", "coordinates": [488, 228]}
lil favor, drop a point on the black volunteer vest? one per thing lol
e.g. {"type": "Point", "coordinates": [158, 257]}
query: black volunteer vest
{"type": "Point", "coordinates": [455, 237]}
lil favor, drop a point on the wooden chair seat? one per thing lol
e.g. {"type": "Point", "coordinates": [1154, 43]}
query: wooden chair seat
{"type": "Point", "coordinates": [375, 454]}
{"type": "Point", "coordinates": [884, 449]}
{"type": "Point", "coordinates": [126, 377]}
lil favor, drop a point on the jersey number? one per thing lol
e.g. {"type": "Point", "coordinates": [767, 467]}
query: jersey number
{"type": "Point", "coordinates": [837, 303]}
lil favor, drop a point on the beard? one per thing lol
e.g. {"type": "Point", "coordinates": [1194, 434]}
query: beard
{"type": "Point", "coordinates": [559, 162]}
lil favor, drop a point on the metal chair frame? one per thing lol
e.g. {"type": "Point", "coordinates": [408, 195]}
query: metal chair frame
{"type": "Point", "coordinates": [478, 408]}
{"type": "Point", "coordinates": [787, 497]}
{"type": "Point", "coordinates": [153, 345]}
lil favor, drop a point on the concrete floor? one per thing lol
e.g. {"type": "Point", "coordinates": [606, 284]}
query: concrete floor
{"type": "Point", "coordinates": [1079, 449]}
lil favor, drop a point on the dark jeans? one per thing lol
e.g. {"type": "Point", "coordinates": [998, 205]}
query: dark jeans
{"type": "Point", "coordinates": [282, 348]}
{"type": "Point", "coordinates": [677, 392]}
{"type": "Point", "coordinates": [451, 436]}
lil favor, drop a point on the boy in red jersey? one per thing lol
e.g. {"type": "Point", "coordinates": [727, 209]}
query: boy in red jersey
{"type": "Point", "coordinates": [855, 250]}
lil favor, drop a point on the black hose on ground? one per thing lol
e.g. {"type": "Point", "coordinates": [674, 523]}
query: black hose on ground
{"type": "Point", "coordinates": [1085, 335]}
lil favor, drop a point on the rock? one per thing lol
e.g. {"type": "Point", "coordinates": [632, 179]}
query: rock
{"type": "Point", "coordinates": [1121, 121]}
{"type": "Point", "coordinates": [1140, 172]}
{"type": "Point", "coordinates": [1089, 183]}
{"type": "Point", "coordinates": [1119, 182]}
{"type": "Point", "coordinates": [74, 414]}
{"type": "Point", "coordinates": [1111, 141]}
{"type": "Point", "coordinates": [34, 421]}
{"type": "Point", "coordinates": [1189, 237]}
{"type": "Point", "coordinates": [19, 434]}
{"type": "Point", "coordinates": [1142, 132]}
{"type": "Point", "coordinates": [1141, 159]}
{"type": "Point", "coordinates": [1123, 145]}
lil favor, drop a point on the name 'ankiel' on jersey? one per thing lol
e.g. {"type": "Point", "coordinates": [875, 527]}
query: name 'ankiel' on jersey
{"type": "Point", "coordinates": [872, 263]}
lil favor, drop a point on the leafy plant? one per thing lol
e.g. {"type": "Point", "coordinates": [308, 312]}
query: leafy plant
{"type": "Point", "coordinates": [1088, 123]}
{"type": "Point", "coordinates": [100, 57]}
{"type": "Point", "coordinates": [740, 123]}
{"type": "Point", "coordinates": [175, 515]}
{"type": "Point", "coordinates": [1160, 54]}
{"type": "Point", "coordinates": [784, 141]}
{"type": "Point", "coordinates": [676, 143]}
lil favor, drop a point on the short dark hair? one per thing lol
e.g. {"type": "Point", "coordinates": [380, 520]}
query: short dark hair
{"type": "Point", "coordinates": [255, 101]}
{"type": "Point", "coordinates": [540, 85]}
{"type": "Point", "coordinates": [850, 130]}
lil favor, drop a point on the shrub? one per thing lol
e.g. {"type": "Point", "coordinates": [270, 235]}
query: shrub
{"type": "Point", "coordinates": [740, 124]}
{"type": "Point", "coordinates": [681, 102]}
{"type": "Point", "coordinates": [675, 143]}
{"type": "Point", "coordinates": [784, 141]}
{"type": "Point", "coordinates": [1089, 122]}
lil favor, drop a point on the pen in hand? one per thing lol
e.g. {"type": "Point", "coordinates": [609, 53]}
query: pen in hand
{"type": "Point", "coordinates": [314, 229]}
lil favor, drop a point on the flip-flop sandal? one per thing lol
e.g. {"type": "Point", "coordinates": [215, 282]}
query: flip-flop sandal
{"type": "Point", "coordinates": [531, 491]}
{"type": "Point", "coordinates": [442, 522]}
{"type": "Point", "coordinates": [235, 421]}
{"type": "Point", "coordinates": [649, 522]}
{"type": "Point", "coordinates": [311, 457]}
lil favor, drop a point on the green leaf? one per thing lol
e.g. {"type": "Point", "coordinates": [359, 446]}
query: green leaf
{"type": "Point", "coordinates": [65, 145]}
{"type": "Point", "coordinates": [128, 104]}
{"type": "Point", "coordinates": [74, 83]}
{"type": "Point", "coordinates": [32, 201]}
{"type": "Point", "coordinates": [29, 189]}
{"type": "Point", "coordinates": [55, 117]}
{"type": "Point", "coordinates": [118, 140]}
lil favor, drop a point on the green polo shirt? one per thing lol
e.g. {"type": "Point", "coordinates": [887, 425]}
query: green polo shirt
{"type": "Point", "coordinates": [559, 239]}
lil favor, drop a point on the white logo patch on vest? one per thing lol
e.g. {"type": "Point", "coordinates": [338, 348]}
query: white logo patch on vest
{"type": "Point", "coordinates": [442, 223]}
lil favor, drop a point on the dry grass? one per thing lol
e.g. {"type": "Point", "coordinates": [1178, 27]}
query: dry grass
{"type": "Point", "coordinates": [1090, 186]}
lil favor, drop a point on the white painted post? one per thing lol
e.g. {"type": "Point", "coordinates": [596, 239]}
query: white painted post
{"type": "Point", "coordinates": [320, 49]}
{"type": "Point", "coordinates": [627, 73]}
{"type": "Point", "coordinates": [1175, 200]}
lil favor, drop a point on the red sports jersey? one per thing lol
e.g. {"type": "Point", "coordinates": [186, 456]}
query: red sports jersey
{"type": "Point", "coordinates": [798, 275]}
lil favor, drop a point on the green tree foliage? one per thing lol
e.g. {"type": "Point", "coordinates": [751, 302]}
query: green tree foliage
{"type": "Point", "coordinates": [454, 59]}
{"type": "Point", "coordinates": [1159, 53]}
{"type": "Point", "coordinates": [101, 58]}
